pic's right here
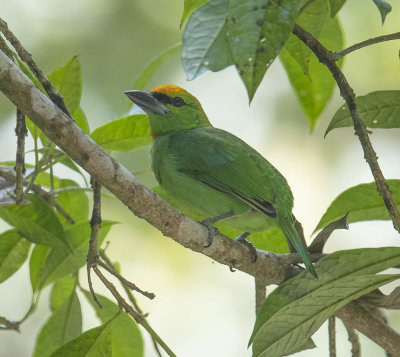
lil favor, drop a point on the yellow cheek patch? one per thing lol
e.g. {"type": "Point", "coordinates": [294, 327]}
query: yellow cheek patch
{"type": "Point", "coordinates": [169, 89]}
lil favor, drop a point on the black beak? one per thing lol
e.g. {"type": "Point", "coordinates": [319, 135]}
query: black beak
{"type": "Point", "coordinates": [147, 102]}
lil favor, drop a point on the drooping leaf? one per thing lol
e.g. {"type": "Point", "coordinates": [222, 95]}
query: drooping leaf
{"type": "Point", "coordinates": [14, 250]}
{"type": "Point", "coordinates": [336, 5]}
{"type": "Point", "coordinates": [93, 343]}
{"type": "Point", "coordinates": [351, 269]}
{"type": "Point", "coordinates": [379, 109]}
{"type": "Point", "coordinates": [75, 203]}
{"type": "Point", "coordinates": [68, 81]}
{"type": "Point", "coordinates": [61, 292]}
{"type": "Point", "coordinates": [204, 44]}
{"type": "Point", "coordinates": [124, 134]}
{"type": "Point", "coordinates": [36, 221]}
{"type": "Point", "coordinates": [126, 339]}
{"type": "Point", "coordinates": [36, 263]}
{"type": "Point", "coordinates": [152, 67]}
{"type": "Point", "coordinates": [63, 325]}
{"type": "Point", "coordinates": [61, 261]}
{"type": "Point", "coordinates": [361, 202]}
{"type": "Point", "coordinates": [189, 6]}
{"type": "Point", "coordinates": [257, 32]}
{"type": "Point", "coordinates": [81, 120]}
{"type": "Point", "coordinates": [311, 19]}
{"type": "Point", "coordinates": [383, 7]}
{"type": "Point", "coordinates": [315, 88]}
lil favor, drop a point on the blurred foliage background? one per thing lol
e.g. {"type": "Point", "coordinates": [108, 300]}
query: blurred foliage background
{"type": "Point", "coordinates": [201, 307]}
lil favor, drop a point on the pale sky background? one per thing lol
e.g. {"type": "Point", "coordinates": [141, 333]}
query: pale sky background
{"type": "Point", "coordinates": [201, 308]}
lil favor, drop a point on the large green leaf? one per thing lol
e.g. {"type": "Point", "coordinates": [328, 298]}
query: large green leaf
{"type": "Point", "coordinates": [189, 6]}
{"type": "Point", "coordinates": [383, 7]}
{"type": "Point", "coordinates": [124, 134]}
{"type": "Point", "coordinates": [81, 120]}
{"type": "Point", "coordinates": [336, 5]}
{"type": "Point", "coordinates": [126, 339]}
{"type": "Point", "coordinates": [61, 292]}
{"type": "Point", "coordinates": [36, 221]}
{"type": "Point", "coordinates": [311, 19]}
{"type": "Point", "coordinates": [62, 261]}
{"type": "Point", "coordinates": [68, 81]}
{"type": "Point", "coordinates": [315, 87]}
{"type": "Point", "coordinates": [361, 202]}
{"type": "Point", "coordinates": [377, 109]}
{"type": "Point", "coordinates": [336, 271]}
{"type": "Point", "coordinates": [63, 325]}
{"type": "Point", "coordinates": [36, 263]}
{"type": "Point", "coordinates": [14, 250]}
{"type": "Point", "coordinates": [257, 32]}
{"type": "Point", "coordinates": [152, 67]}
{"type": "Point", "coordinates": [74, 202]}
{"type": "Point", "coordinates": [204, 43]}
{"type": "Point", "coordinates": [93, 343]}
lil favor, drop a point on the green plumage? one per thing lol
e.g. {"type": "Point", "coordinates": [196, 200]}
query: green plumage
{"type": "Point", "coordinates": [212, 172]}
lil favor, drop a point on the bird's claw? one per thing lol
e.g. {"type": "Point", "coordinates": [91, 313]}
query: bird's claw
{"type": "Point", "coordinates": [242, 239]}
{"type": "Point", "coordinates": [212, 231]}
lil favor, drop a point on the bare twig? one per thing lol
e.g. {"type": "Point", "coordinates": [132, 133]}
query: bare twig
{"type": "Point", "coordinates": [21, 132]}
{"type": "Point", "coordinates": [393, 36]}
{"type": "Point", "coordinates": [27, 58]}
{"type": "Point", "coordinates": [332, 336]}
{"type": "Point", "coordinates": [6, 324]}
{"type": "Point", "coordinates": [354, 340]}
{"type": "Point", "coordinates": [327, 58]}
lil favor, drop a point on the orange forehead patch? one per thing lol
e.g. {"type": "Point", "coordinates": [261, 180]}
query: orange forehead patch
{"type": "Point", "coordinates": [169, 89]}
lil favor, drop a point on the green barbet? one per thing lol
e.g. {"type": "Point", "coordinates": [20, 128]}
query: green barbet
{"type": "Point", "coordinates": [211, 171]}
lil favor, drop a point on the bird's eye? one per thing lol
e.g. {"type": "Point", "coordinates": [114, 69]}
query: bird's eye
{"type": "Point", "coordinates": [177, 102]}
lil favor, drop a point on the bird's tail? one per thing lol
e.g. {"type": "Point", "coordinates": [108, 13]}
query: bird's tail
{"type": "Point", "coordinates": [287, 226]}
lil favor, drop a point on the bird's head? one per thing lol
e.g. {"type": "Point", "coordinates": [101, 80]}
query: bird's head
{"type": "Point", "coordinates": [170, 108]}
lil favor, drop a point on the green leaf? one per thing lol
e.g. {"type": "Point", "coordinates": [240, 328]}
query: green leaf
{"type": "Point", "coordinates": [383, 7]}
{"type": "Point", "coordinates": [314, 88]}
{"type": "Point", "coordinates": [204, 43]}
{"type": "Point", "coordinates": [362, 202]}
{"type": "Point", "coordinates": [257, 32]}
{"type": "Point", "coordinates": [63, 325]}
{"type": "Point", "coordinates": [336, 271]}
{"type": "Point", "coordinates": [36, 263]}
{"type": "Point", "coordinates": [336, 5]}
{"type": "Point", "coordinates": [152, 67]}
{"type": "Point", "coordinates": [312, 20]}
{"type": "Point", "coordinates": [379, 109]}
{"type": "Point", "coordinates": [37, 222]}
{"type": "Point", "coordinates": [14, 250]}
{"type": "Point", "coordinates": [93, 343]}
{"type": "Point", "coordinates": [126, 339]}
{"type": "Point", "coordinates": [81, 120]}
{"type": "Point", "coordinates": [75, 203]}
{"type": "Point", "coordinates": [189, 7]}
{"type": "Point", "coordinates": [61, 292]}
{"type": "Point", "coordinates": [124, 134]}
{"type": "Point", "coordinates": [61, 261]}
{"type": "Point", "coordinates": [297, 321]}
{"type": "Point", "coordinates": [68, 81]}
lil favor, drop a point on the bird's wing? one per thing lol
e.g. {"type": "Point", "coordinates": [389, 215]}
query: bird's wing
{"type": "Point", "coordinates": [226, 163]}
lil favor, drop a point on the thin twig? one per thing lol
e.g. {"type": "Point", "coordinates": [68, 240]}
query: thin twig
{"type": "Point", "coordinates": [125, 282]}
{"type": "Point", "coordinates": [393, 36]}
{"type": "Point", "coordinates": [21, 132]}
{"type": "Point", "coordinates": [27, 58]}
{"type": "Point", "coordinates": [95, 224]}
{"type": "Point", "coordinates": [332, 336]}
{"type": "Point", "coordinates": [6, 324]}
{"type": "Point", "coordinates": [327, 58]}
{"type": "Point", "coordinates": [354, 340]}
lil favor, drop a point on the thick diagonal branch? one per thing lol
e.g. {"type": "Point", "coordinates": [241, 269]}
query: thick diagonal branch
{"type": "Point", "coordinates": [328, 59]}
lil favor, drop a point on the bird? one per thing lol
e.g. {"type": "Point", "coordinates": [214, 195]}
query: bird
{"type": "Point", "coordinates": [212, 172]}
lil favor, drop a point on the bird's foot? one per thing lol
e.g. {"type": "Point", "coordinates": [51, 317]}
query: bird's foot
{"type": "Point", "coordinates": [212, 231]}
{"type": "Point", "coordinates": [242, 239]}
